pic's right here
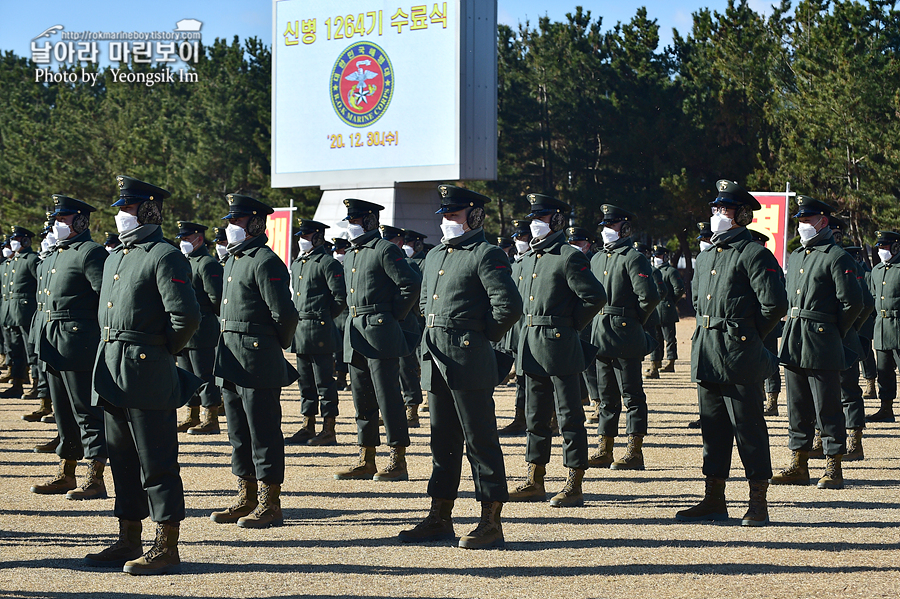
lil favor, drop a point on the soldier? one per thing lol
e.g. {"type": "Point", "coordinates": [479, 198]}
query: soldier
{"type": "Point", "coordinates": [112, 242]}
{"type": "Point", "coordinates": [773, 382]}
{"type": "Point", "coordinates": [632, 296]}
{"type": "Point", "coordinates": [703, 239]}
{"type": "Point", "coordinates": [67, 342]}
{"type": "Point", "coordinates": [738, 295]}
{"type": "Point", "coordinates": [651, 325]}
{"type": "Point", "coordinates": [667, 309]}
{"type": "Point", "coordinates": [40, 390]}
{"type": "Point", "coordinates": [258, 320]}
{"type": "Point", "coordinates": [886, 289]}
{"type": "Point", "coordinates": [5, 267]}
{"type": "Point", "coordinates": [199, 355]}
{"type": "Point", "coordinates": [221, 243]}
{"type": "Point", "coordinates": [824, 307]}
{"type": "Point", "coordinates": [382, 289]}
{"type": "Point", "coordinates": [147, 313]}
{"type": "Point", "coordinates": [563, 296]}
{"type": "Point", "coordinates": [413, 324]}
{"type": "Point", "coordinates": [338, 252]}
{"type": "Point", "coordinates": [867, 330]}
{"type": "Point", "coordinates": [583, 240]}
{"type": "Point", "coordinates": [320, 297]}
{"type": "Point", "coordinates": [22, 292]}
{"type": "Point", "coordinates": [469, 300]}
{"type": "Point", "coordinates": [506, 244]}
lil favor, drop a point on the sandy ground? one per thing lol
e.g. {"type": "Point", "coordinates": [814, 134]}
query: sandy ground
{"type": "Point", "coordinates": [339, 538]}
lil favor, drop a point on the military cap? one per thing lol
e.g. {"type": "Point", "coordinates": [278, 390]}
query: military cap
{"type": "Point", "coordinates": [807, 206]}
{"type": "Point", "coordinates": [186, 228]}
{"type": "Point", "coordinates": [429, 247]}
{"type": "Point", "coordinates": [578, 234]}
{"type": "Point", "coordinates": [64, 205]}
{"type": "Point", "coordinates": [112, 239]}
{"type": "Point", "coordinates": [388, 232]}
{"type": "Point", "coordinates": [306, 226]}
{"type": "Point", "coordinates": [341, 243]}
{"type": "Point", "coordinates": [759, 236]}
{"type": "Point", "coordinates": [20, 232]}
{"type": "Point", "coordinates": [855, 251]}
{"type": "Point", "coordinates": [886, 238]}
{"type": "Point", "coordinates": [454, 199]}
{"type": "Point", "coordinates": [220, 235]}
{"type": "Point", "coordinates": [132, 191]}
{"type": "Point", "coordinates": [732, 195]}
{"type": "Point", "coordinates": [360, 208]}
{"type": "Point", "coordinates": [410, 235]}
{"type": "Point", "coordinates": [542, 205]}
{"type": "Point", "coordinates": [522, 227]}
{"type": "Point", "coordinates": [241, 205]}
{"type": "Point", "coordinates": [504, 242]}
{"type": "Point", "coordinates": [705, 231]}
{"type": "Point", "coordinates": [660, 250]}
{"type": "Point", "coordinates": [614, 214]}
{"type": "Point", "coordinates": [836, 222]}
{"type": "Point", "coordinates": [641, 247]}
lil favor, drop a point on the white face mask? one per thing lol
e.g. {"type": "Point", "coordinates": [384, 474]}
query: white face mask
{"type": "Point", "coordinates": [885, 254]}
{"type": "Point", "coordinates": [109, 249]}
{"type": "Point", "coordinates": [705, 245]}
{"type": "Point", "coordinates": [339, 257]}
{"type": "Point", "coordinates": [807, 231]}
{"type": "Point", "coordinates": [186, 247]}
{"type": "Point", "coordinates": [126, 222]}
{"type": "Point", "coordinates": [452, 230]}
{"type": "Point", "coordinates": [15, 245]}
{"type": "Point", "coordinates": [235, 234]}
{"type": "Point", "coordinates": [409, 250]}
{"type": "Point", "coordinates": [305, 244]}
{"type": "Point", "coordinates": [45, 245]}
{"type": "Point", "coordinates": [521, 246]}
{"type": "Point", "coordinates": [720, 222]}
{"type": "Point", "coordinates": [51, 238]}
{"type": "Point", "coordinates": [355, 231]}
{"type": "Point", "coordinates": [609, 235]}
{"type": "Point", "coordinates": [7, 252]}
{"type": "Point", "coordinates": [61, 230]}
{"type": "Point", "coordinates": [657, 262]}
{"type": "Point", "coordinates": [221, 251]}
{"type": "Point", "coordinates": [539, 229]}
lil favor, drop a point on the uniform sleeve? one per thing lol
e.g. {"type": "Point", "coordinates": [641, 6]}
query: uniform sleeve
{"type": "Point", "coordinates": [33, 265]}
{"type": "Point", "coordinates": [272, 281]}
{"type": "Point", "coordinates": [590, 292]}
{"type": "Point", "coordinates": [867, 297]}
{"type": "Point", "coordinates": [848, 291]}
{"type": "Point", "coordinates": [660, 284]}
{"type": "Point", "coordinates": [173, 279]}
{"type": "Point", "coordinates": [644, 285]}
{"type": "Point", "coordinates": [677, 283]}
{"type": "Point", "coordinates": [93, 267]}
{"type": "Point", "coordinates": [211, 275]}
{"type": "Point", "coordinates": [334, 277]}
{"type": "Point", "coordinates": [506, 303]}
{"type": "Point", "coordinates": [423, 292]}
{"type": "Point", "coordinates": [408, 283]}
{"type": "Point", "coordinates": [767, 282]}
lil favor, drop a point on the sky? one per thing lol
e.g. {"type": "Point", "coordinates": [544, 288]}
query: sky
{"type": "Point", "coordinates": [21, 21]}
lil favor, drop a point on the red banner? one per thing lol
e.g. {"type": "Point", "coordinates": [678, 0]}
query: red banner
{"type": "Point", "coordinates": [772, 220]}
{"type": "Point", "coordinates": [278, 230]}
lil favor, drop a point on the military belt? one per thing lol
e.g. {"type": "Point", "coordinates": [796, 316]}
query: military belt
{"type": "Point", "coordinates": [719, 323]}
{"type": "Point", "coordinates": [71, 315]}
{"type": "Point", "coordinates": [249, 328]}
{"type": "Point", "coordinates": [109, 335]}
{"type": "Point", "coordinates": [890, 313]}
{"type": "Point", "coordinates": [20, 295]}
{"type": "Point", "coordinates": [812, 315]}
{"type": "Point", "coordinates": [310, 316]}
{"type": "Point", "coordinates": [446, 322]}
{"type": "Point", "coordinates": [370, 309]}
{"type": "Point", "coordinates": [540, 320]}
{"type": "Point", "coordinates": [619, 311]}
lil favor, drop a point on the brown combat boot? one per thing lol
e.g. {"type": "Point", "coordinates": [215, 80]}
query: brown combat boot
{"type": "Point", "coordinates": [327, 435]}
{"type": "Point", "coordinates": [16, 391]}
{"type": "Point", "coordinates": [162, 558]}
{"type": "Point", "coordinates": [49, 418]}
{"type": "Point", "coordinates": [603, 457]}
{"type": "Point", "coordinates": [93, 486]}
{"type": "Point", "coordinates": [834, 476]}
{"type": "Point", "coordinates": [33, 392]}
{"type": "Point", "coordinates": [653, 371]}
{"type": "Point", "coordinates": [437, 525]}
{"type": "Point", "coordinates": [7, 377]}
{"type": "Point", "coordinates": [633, 458]}
{"type": "Point", "coordinates": [48, 447]}
{"type": "Point", "coordinates": [191, 419]}
{"type": "Point", "coordinates": [396, 468]}
{"type": "Point", "coordinates": [593, 417]}
{"type": "Point", "coordinates": [209, 423]}
{"type": "Point", "coordinates": [816, 452]}
{"type": "Point", "coordinates": [797, 473]}
{"type": "Point", "coordinates": [871, 391]}
{"type": "Point", "coordinates": [711, 507]}
{"type": "Point", "coordinates": [533, 487]}
{"type": "Point", "coordinates": [571, 495]}
{"type": "Point", "coordinates": [854, 446]}
{"type": "Point", "coordinates": [307, 431]}
{"type": "Point", "coordinates": [365, 468]}
{"type": "Point", "coordinates": [516, 427]}
{"type": "Point", "coordinates": [245, 504]}
{"type": "Point", "coordinates": [489, 532]}
{"type": "Point", "coordinates": [412, 417]}
{"type": "Point", "coordinates": [423, 408]}
{"type": "Point", "coordinates": [884, 414]}
{"type": "Point", "coordinates": [669, 367]}
{"type": "Point", "coordinates": [771, 407]}
{"type": "Point", "coordinates": [758, 510]}
{"type": "Point", "coordinates": [63, 483]}
{"type": "Point", "coordinates": [45, 409]}
{"type": "Point", "coordinates": [127, 547]}
{"type": "Point", "coordinates": [268, 510]}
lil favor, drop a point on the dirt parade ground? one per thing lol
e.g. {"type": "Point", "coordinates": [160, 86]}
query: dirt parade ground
{"type": "Point", "coordinates": [340, 537]}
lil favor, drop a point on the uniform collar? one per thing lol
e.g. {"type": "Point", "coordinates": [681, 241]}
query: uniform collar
{"type": "Point", "coordinates": [467, 240]}
{"type": "Point", "coordinates": [548, 241]}
{"type": "Point", "coordinates": [367, 239]}
{"type": "Point", "coordinates": [199, 252]}
{"type": "Point", "coordinates": [726, 238]}
{"type": "Point", "coordinates": [249, 246]}
{"type": "Point", "coordinates": [143, 234]}
{"type": "Point", "coordinates": [318, 251]}
{"type": "Point", "coordinates": [620, 246]}
{"type": "Point", "coordinates": [83, 236]}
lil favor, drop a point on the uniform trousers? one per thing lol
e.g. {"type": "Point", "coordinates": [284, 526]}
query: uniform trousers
{"type": "Point", "coordinates": [620, 382]}
{"type": "Point", "coordinates": [886, 364]}
{"type": "Point", "coordinates": [254, 431]}
{"type": "Point", "coordinates": [21, 353]}
{"type": "Point", "coordinates": [143, 457]}
{"type": "Point", "coordinates": [543, 394]}
{"type": "Point", "coordinates": [814, 401]}
{"type": "Point", "coordinates": [852, 398]}
{"type": "Point", "coordinates": [317, 385]}
{"type": "Point", "coordinates": [80, 425]}
{"type": "Point", "coordinates": [732, 414]}
{"type": "Point", "coordinates": [869, 369]}
{"type": "Point", "coordinates": [464, 416]}
{"type": "Point", "coordinates": [375, 383]}
{"type": "Point", "coordinates": [411, 379]}
{"type": "Point", "coordinates": [665, 333]}
{"type": "Point", "coordinates": [201, 362]}
{"type": "Point", "coordinates": [773, 383]}
{"type": "Point", "coordinates": [590, 381]}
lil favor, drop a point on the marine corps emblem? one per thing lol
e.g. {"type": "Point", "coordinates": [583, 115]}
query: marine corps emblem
{"type": "Point", "coordinates": [362, 84]}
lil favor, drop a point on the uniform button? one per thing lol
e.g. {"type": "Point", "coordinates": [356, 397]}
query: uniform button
{"type": "Point", "coordinates": [52, 270]}
{"type": "Point", "coordinates": [109, 304]}
{"type": "Point", "coordinates": [798, 292]}
{"type": "Point", "coordinates": [821, 329]}
{"type": "Point", "coordinates": [435, 296]}
{"type": "Point", "coordinates": [712, 272]}
{"type": "Point", "coordinates": [801, 271]}
{"type": "Point", "coordinates": [300, 278]}
{"type": "Point", "coordinates": [440, 272]}
{"type": "Point", "coordinates": [884, 282]}
{"type": "Point", "coordinates": [718, 249]}
{"type": "Point", "coordinates": [115, 277]}
{"type": "Point", "coordinates": [298, 293]}
{"type": "Point", "coordinates": [229, 279]}
{"type": "Point", "coordinates": [303, 261]}
{"type": "Point", "coordinates": [352, 290]}
{"type": "Point", "coordinates": [744, 338]}
{"type": "Point", "coordinates": [74, 328]}
{"type": "Point", "coordinates": [225, 301]}
{"type": "Point", "coordinates": [624, 323]}
{"type": "Point", "coordinates": [808, 251]}
{"type": "Point", "coordinates": [708, 296]}
{"type": "Point", "coordinates": [143, 356]}
{"type": "Point", "coordinates": [123, 251]}
{"type": "Point", "coordinates": [605, 273]}
{"type": "Point", "coordinates": [534, 275]}
{"type": "Point", "coordinates": [321, 344]}
{"type": "Point", "coordinates": [520, 277]}
{"type": "Point", "coordinates": [352, 270]}
{"type": "Point", "coordinates": [380, 321]}
{"type": "Point", "coordinates": [256, 344]}
{"type": "Point", "coordinates": [322, 322]}
{"type": "Point", "coordinates": [557, 334]}
{"type": "Point", "coordinates": [531, 298]}
{"type": "Point", "coordinates": [355, 251]}
{"type": "Point", "coordinates": [466, 342]}
{"type": "Point", "coordinates": [882, 297]}
{"type": "Point", "coordinates": [450, 251]}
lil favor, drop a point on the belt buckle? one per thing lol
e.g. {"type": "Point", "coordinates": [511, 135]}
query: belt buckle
{"type": "Point", "coordinates": [706, 324]}
{"type": "Point", "coordinates": [49, 318]}
{"type": "Point", "coordinates": [107, 334]}
{"type": "Point", "coordinates": [353, 313]}
{"type": "Point", "coordinates": [430, 323]}
{"type": "Point", "coordinates": [884, 313]}
{"type": "Point", "coordinates": [530, 321]}
{"type": "Point", "coordinates": [795, 312]}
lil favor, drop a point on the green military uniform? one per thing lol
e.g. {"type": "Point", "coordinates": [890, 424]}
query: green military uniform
{"type": "Point", "coordinates": [867, 330]}
{"type": "Point", "coordinates": [589, 376]}
{"type": "Point", "coordinates": [521, 236]}
{"type": "Point", "coordinates": [340, 246]}
{"type": "Point", "coordinates": [667, 310]}
{"type": "Point", "coordinates": [22, 292]}
{"type": "Point", "coordinates": [651, 325]}
{"type": "Point", "coordinates": [886, 339]}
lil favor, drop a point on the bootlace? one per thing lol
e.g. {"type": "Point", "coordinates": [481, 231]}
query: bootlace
{"type": "Point", "coordinates": [159, 544]}
{"type": "Point", "coordinates": [243, 496]}
{"type": "Point", "coordinates": [263, 504]}
{"type": "Point", "coordinates": [831, 467]}
{"type": "Point", "coordinates": [484, 525]}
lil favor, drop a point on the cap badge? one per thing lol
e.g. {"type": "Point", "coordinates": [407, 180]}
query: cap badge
{"type": "Point", "coordinates": [723, 185]}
